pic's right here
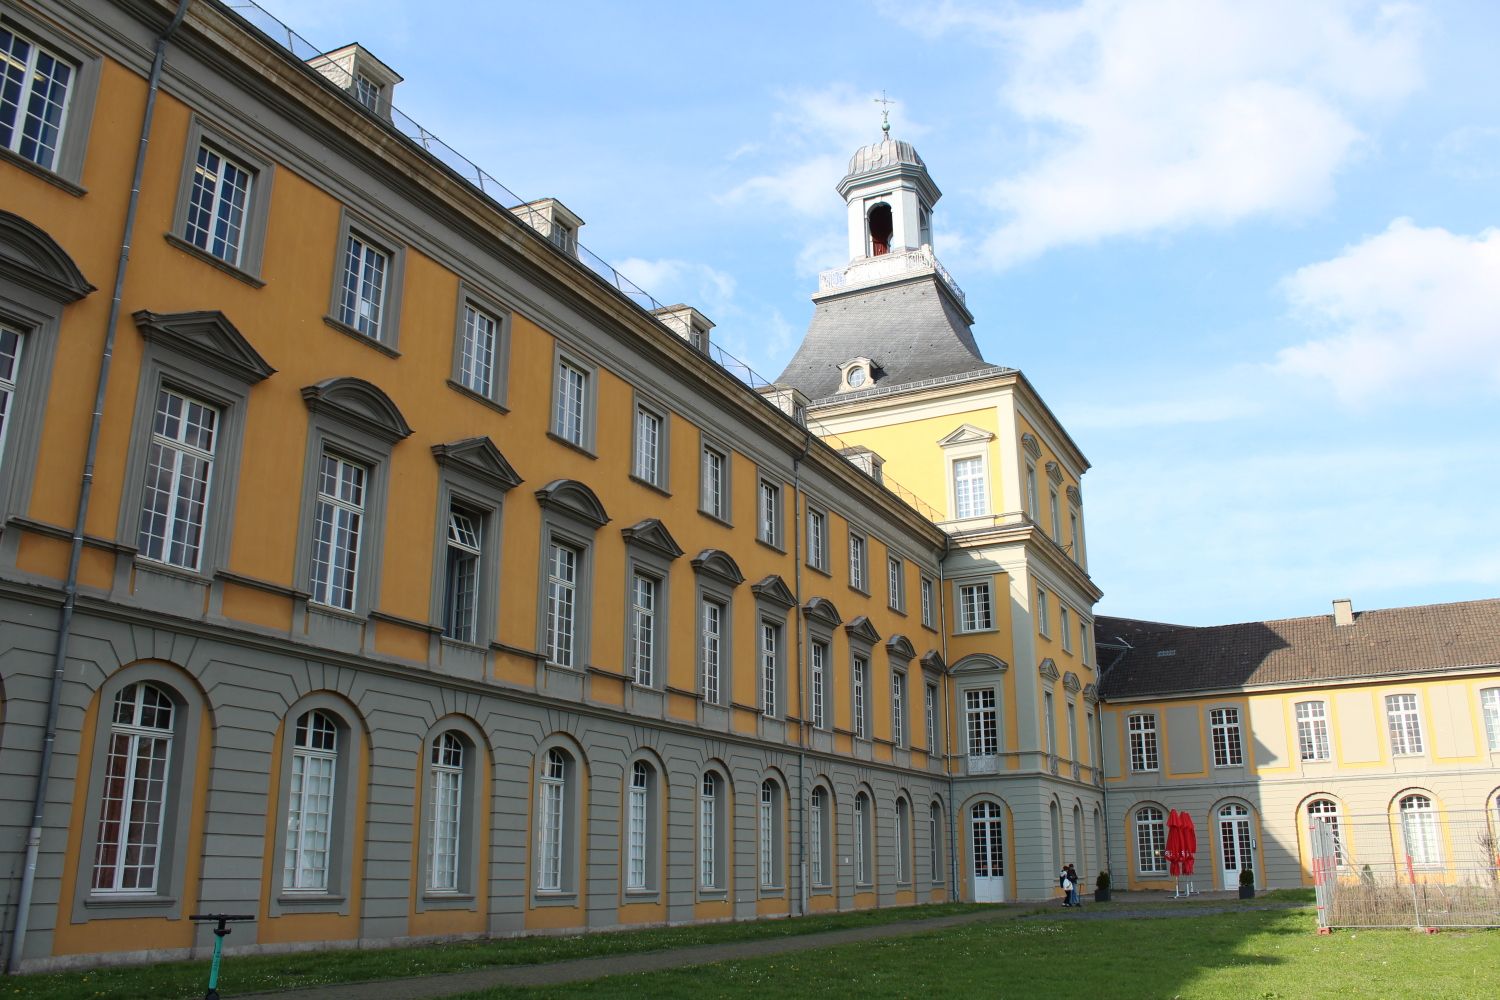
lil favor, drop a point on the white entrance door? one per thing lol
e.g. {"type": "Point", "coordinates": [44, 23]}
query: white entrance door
{"type": "Point", "coordinates": [989, 853]}
{"type": "Point", "coordinates": [1235, 845]}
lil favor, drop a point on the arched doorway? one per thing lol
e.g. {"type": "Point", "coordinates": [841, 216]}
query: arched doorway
{"type": "Point", "coordinates": [987, 835]}
{"type": "Point", "coordinates": [1236, 844]}
{"type": "Point", "coordinates": [881, 228]}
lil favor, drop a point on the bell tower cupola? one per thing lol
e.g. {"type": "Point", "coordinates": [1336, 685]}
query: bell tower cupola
{"type": "Point", "coordinates": [890, 197]}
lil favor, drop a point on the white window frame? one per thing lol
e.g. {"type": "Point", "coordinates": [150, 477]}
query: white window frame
{"type": "Point", "coordinates": [315, 756]}
{"type": "Point", "coordinates": [1421, 831]}
{"type": "Point", "coordinates": [1049, 722]}
{"type": "Point", "coordinates": [138, 763]}
{"type": "Point", "coordinates": [932, 728]}
{"type": "Point", "coordinates": [649, 453]}
{"type": "Point", "coordinates": [1228, 739]}
{"type": "Point", "coordinates": [1150, 841]}
{"type": "Point", "coordinates": [1489, 703]}
{"type": "Point", "coordinates": [1404, 722]}
{"type": "Point", "coordinates": [898, 708]}
{"type": "Point", "coordinates": [976, 612]}
{"type": "Point", "coordinates": [895, 582]}
{"type": "Point", "coordinates": [768, 511]}
{"type": "Point", "coordinates": [817, 874]}
{"type": "Point", "coordinates": [818, 658]}
{"type": "Point", "coordinates": [637, 870]}
{"type": "Point", "coordinates": [645, 604]}
{"type": "Point", "coordinates": [1043, 613]}
{"type": "Point", "coordinates": [463, 564]}
{"type": "Point", "coordinates": [1145, 749]}
{"type": "Point", "coordinates": [1055, 514]}
{"type": "Point", "coordinates": [444, 831]}
{"type": "Point", "coordinates": [712, 614]}
{"type": "Point", "coordinates": [174, 534]}
{"type": "Point", "coordinates": [1328, 811]}
{"type": "Point", "coordinates": [364, 297]}
{"type": "Point", "coordinates": [859, 671]}
{"type": "Point", "coordinates": [969, 483]}
{"type": "Point", "coordinates": [708, 831]}
{"type": "Point", "coordinates": [1032, 510]}
{"type": "Point", "coordinates": [862, 866]}
{"type": "Point", "coordinates": [982, 723]}
{"type": "Point", "coordinates": [929, 605]}
{"type": "Point", "coordinates": [1312, 731]}
{"type": "Point", "coordinates": [817, 539]}
{"type": "Point", "coordinates": [480, 341]}
{"type": "Point", "coordinates": [770, 667]}
{"type": "Point", "coordinates": [32, 92]}
{"type": "Point", "coordinates": [230, 189]}
{"type": "Point", "coordinates": [1065, 626]}
{"type": "Point", "coordinates": [859, 555]}
{"type": "Point", "coordinates": [570, 402]}
{"type": "Point", "coordinates": [714, 462]}
{"type": "Point", "coordinates": [344, 510]}
{"type": "Point", "coordinates": [12, 347]}
{"type": "Point", "coordinates": [552, 820]}
{"type": "Point", "coordinates": [564, 567]}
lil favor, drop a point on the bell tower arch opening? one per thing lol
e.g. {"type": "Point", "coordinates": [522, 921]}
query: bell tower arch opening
{"type": "Point", "coordinates": [881, 226]}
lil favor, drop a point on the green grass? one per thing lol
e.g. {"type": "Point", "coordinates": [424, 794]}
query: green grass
{"type": "Point", "coordinates": [1255, 955]}
{"type": "Point", "coordinates": [251, 973]}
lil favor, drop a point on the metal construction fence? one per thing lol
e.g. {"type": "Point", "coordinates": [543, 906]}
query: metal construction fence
{"type": "Point", "coordinates": [1418, 867]}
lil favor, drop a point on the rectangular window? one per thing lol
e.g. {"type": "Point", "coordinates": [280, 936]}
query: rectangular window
{"type": "Point", "coordinates": [1031, 505]}
{"type": "Point", "coordinates": [769, 513]}
{"type": "Point", "coordinates": [929, 609]}
{"type": "Point", "coordinates": [217, 204]}
{"type": "Point", "coordinates": [1075, 539]}
{"type": "Point", "coordinates": [461, 576]}
{"type": "Point", "coordinates": [819, 669]}
{"type": "Point", "coordinates": [898, 708]}
{"type": "Point", "coordinates": [1072, 731]}
{"type": "Point", "coordinates": [1406, 727]}
{"type": "Point", "coordinates": [1083, 642]}
{"type": "Point", "coordinates": [550, 831]}
{"type": "Point", "coordinates": [767, 834]}
{"type": "Point", "coordinates": [708, 855]}
{"type": "Point", "coordinates": [713, 636]}
{"type": "Point", "coordinates": [179, 469]}
{"type": "Point", "coordinates": [815, 830]}
{"type": "Point", "coordinates": [562, 589]}
{"type": "Point", "coordinates": [974, 614]}
{"type": "Point", "coordinates": [34, 88]}
{"type": "Point", "coordinates": [715, 486]}
{"type": "Point", "coordinates": [932, 696]}
{"type": "Point", "coordinates": [1312, 730]}
{"type": "Point", "coordinates": [447, 809]}
{"type": "Point", "coordinates": [366, 92]}
{"type": "Point", "coordinates": [817, 539]}
{"type": "Point", "coordinates": [572, 403]}
{"type": "Point", "coordinates": [1043, 613]}
{"type": "Point", "coordinates": [10, 371]}
{"type": "Point", "coordinates": [338, 523]}
{"type": "Point", "coordinates": [135, 788]}
{"type": "Point", "coordinates": [770, 641]}
{"type": "Point", "coordinates": [1225, 726]}
{"type": "Point", "coordinates": [1143, 756]}
{"type": "Point", "coordinates": [969, 499]}
{"type": "Point", "coordinates": [636, 841]}
{"type": "Point", "coordinates": [1088, 723]}
{"type": "Point", "coordinates": [895, 583]}
{"type": "Point", "coordinates": [648, 442]}
{"type": "Point", "coordinates": [1150, 842]}
{"type": "Point", "coordinates": [1489, 700]}
{"type": "Point", "coordinates": [643, 602]}
{"type": "Point", "coordinates": [1056, 512]}
{"type": "Point", "coordinates": [1049, 722]}
{"type": "Point", "coordinates": [861, 676]}
{"type": "Point", "coordinates": [1065, 628]}
{"type": "Point", "coordinates": [476, 362]}
{"type": "Point", "coordinates": [982, 723]}
{"type": "Point", "coordinates": [856, 561]}
{"type": "Point", "coordinates": [363, 295]}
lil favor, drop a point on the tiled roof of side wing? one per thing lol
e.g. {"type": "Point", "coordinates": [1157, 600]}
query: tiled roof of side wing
{"type": "Point", "coordinates": [1166, 660]}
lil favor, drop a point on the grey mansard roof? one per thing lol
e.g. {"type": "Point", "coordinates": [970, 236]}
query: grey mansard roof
{"type": "Point", "coordinates": [914, 330]}
{"type": "Point", "coordinates": [1161, 659]}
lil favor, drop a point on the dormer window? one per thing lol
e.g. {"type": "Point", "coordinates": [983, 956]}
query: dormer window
{"type": "Point", "coordinates": [354, 70]}
{"type": "Point", "coordinates": [553, 220]}
{"type": "Point", "coordinates": [857, 374]}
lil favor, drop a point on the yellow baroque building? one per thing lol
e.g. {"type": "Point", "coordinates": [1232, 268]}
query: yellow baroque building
{"type": "Point", "coordinates": [378, 563]}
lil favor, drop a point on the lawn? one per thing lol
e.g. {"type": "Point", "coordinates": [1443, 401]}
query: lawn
{"type": "Point", "coordinates": [251, 973]}
{"type": "Point", "coordinates": [1261, 955]}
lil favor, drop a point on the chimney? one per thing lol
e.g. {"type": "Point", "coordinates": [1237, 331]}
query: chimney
{"type": "Point", "coordinates": [1343, 611]}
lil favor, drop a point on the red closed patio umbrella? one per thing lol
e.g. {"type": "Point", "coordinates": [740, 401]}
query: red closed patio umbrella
{"type": "Point", "coordinates": [1174, 842]}
{"type": "Point", "coordinates": [1189, 842]}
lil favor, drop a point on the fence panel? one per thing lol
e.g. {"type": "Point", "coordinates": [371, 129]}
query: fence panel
{"type": "Point", "coordinates": [1418, 867]}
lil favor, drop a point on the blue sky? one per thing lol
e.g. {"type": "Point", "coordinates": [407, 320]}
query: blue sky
{"type": "Point", "coordinates": [1247, 252]}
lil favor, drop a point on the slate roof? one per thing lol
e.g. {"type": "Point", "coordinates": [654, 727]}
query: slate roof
{"type": "Point", "coordinates": [1174, 659]}
{"type": "Point", "coordinates": [911, 328]}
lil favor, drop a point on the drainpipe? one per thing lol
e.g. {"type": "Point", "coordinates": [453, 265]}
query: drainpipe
{"type": "Point", "coordinates": [799, 512]}
{"type": "Point", "coordinates": [85, 490]}
{"type": "Point", "coordinates": [947, 681]}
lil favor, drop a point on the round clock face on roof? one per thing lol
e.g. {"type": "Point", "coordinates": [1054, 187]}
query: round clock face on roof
{"type": "Point", "coordinates": [856, 377]}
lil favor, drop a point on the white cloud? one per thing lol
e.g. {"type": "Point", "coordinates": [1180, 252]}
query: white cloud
{"type": "Point", "coordinates": [1155, 115]}
{"type": "Point", "coordinates": [1414, 306]}
{"type": "Point", "coordinates": [1470, 154]}
{"type": "Point", "coordinates": [670, 281]}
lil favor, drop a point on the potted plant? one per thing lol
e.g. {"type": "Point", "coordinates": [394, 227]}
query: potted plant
{"type": "Point", "coordinates": [1247, 883]}
{"type": "Point", "coordinates": [1101, 888]}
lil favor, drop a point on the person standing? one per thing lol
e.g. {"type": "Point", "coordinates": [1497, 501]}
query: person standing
{"type": "Point", "coordinates": [1064, 885]}
{"type": "Point", "coordinates": [1073, 898]}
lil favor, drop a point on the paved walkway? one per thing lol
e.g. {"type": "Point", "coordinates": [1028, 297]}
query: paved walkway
{"type": "Point", "coordinates": [577, 970]}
